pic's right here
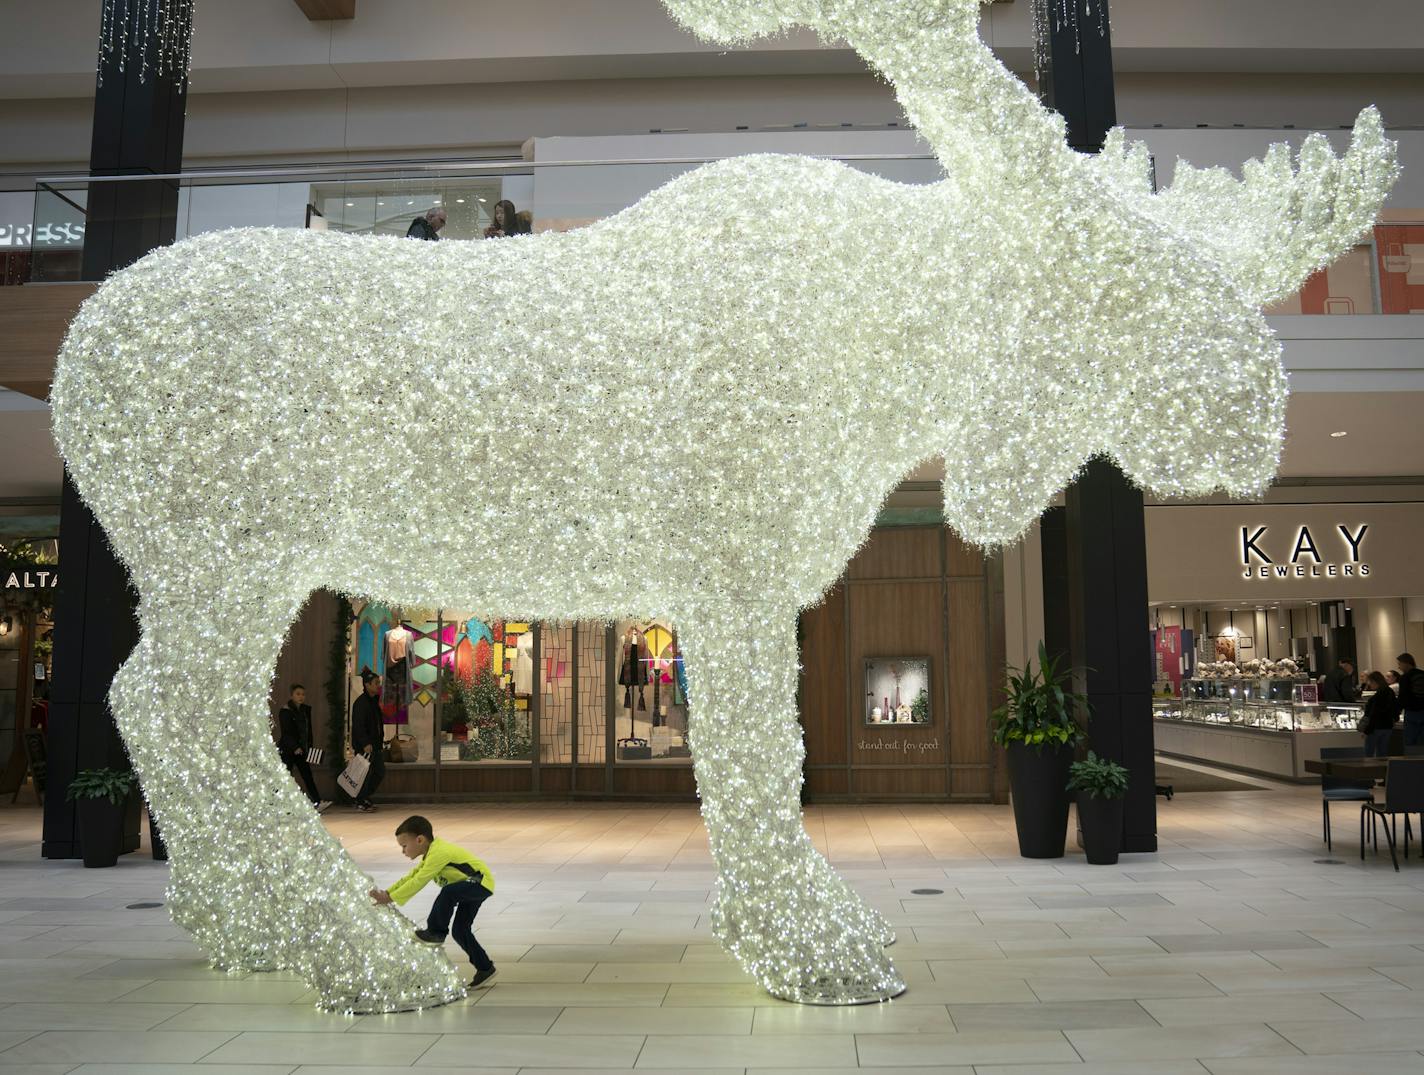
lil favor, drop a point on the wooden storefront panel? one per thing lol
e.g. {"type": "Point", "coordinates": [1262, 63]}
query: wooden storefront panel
{"type": "Point", "coordinates": [899, 782]}
{"type": "Point", "coordinates": [824, 684]}
{"type": "Point", "coordinates": [969, 672]}
{"type": "Point", "coordinates": [897, 619]}
{"type": "Point", "coordinates": [911, 552]}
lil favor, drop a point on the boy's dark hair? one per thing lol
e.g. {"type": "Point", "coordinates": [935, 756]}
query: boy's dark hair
{"type": "Point", "coordinates": [294, 688]}
{"type": "Point", "coordinates": [1406, 658]}
{"type": "Point", "coordinates": [415, 825]}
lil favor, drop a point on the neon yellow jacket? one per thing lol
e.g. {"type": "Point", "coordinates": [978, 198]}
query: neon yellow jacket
{"type": "Point", "coordinates": [443, 863]}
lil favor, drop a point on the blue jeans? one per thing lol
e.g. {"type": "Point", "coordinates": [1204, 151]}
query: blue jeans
{"type": "Point", "coordinates": [1413, 727]}
{"type": "Point", "coordinates": [460, 899]}
{"type": "Point", "coordinates": [1377, 744]}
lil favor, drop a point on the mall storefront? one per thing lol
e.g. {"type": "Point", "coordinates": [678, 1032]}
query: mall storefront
{"type": "Point", "coordinates": [898, 663]}
{"type": "Point", "coordinates": [1253, 603]}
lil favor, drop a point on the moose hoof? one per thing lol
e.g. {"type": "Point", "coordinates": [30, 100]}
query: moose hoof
{"type": "Point", "coordinates": [827, 952]}
{"type": "Point", "coordinates": [365, 1004]}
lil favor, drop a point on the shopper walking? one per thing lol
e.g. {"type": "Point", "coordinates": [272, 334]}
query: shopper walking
{"type": "Point", "coordinates": [1411, 698]}
{"type": "Point", "coordinates": [465, 883]}
{"type": "Point", "coordinates": [368, 732]}
{"type": "Point", "coordinates": [427, 227]}
{"type": "Point", "coordinates": [294, 739]}
{"type": "Point", "coordinates": [1381, 711]}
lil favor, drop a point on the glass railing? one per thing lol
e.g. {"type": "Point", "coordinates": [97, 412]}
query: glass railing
{"type": "Point", "coordinates": [375, 199]}
{"type": "Point", "coordinates": [1384, 275]}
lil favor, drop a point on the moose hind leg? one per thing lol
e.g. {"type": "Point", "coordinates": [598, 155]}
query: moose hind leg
{"type": "Point", "coordinates": [255, 877]}
{"type": "Point", "coordinates": [780, 910]}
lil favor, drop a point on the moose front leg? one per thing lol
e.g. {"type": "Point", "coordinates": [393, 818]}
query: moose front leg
{"type": "Point", "coordinates": [255, 877]}
{"type": "Point", "coordinates": [780, 909]}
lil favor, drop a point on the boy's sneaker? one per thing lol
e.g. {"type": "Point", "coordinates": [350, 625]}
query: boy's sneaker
{"type": "Point", "coordinates": [481, 977]}
{"type": "Point", "coordinates": [323, 806]}
{"type": "Point", "coordinates": [429, 938]}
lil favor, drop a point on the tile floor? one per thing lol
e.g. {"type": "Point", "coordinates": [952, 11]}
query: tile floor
{"type": "Point", "coordinates": [1232, 951]}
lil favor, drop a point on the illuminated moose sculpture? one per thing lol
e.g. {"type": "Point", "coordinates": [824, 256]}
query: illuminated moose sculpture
{"type": "Point", "coordinates": [711, 393]}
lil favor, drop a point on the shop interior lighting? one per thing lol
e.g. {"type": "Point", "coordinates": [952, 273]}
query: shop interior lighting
{"type": "Point", "coordinates": [204, 397]}
{"type": "Point", "coordinates": [1340, 433]}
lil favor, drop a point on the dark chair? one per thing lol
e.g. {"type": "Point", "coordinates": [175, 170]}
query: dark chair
{"type": "Point", "coordinates": [1339, 789]}
{"type": "Point", "coordinates": [1403, 794]}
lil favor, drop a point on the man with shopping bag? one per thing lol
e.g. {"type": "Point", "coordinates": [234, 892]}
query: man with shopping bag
{"type": "Point", "coordinates": [367, 735]}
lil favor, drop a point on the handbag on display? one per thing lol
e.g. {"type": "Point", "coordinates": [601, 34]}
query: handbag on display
{"type": "Point", "coordinates": [354, 775]}
{"type": "Point", "coordinates": [403, 748]}
{"type": "Point", "coordinates": [634, 748]}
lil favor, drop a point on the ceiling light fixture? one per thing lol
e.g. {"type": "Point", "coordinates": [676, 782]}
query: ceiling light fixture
{"type": "Point", "coordinates": [1340, 433]}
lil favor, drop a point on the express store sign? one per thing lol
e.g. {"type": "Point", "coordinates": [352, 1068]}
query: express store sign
{"type": "Point", "coordinates": [47, 236]}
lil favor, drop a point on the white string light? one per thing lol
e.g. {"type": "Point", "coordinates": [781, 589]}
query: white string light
{"type": "Point", "coordinates": [161, 30]}
{"type": "Point", "coordinates": [253, 414]}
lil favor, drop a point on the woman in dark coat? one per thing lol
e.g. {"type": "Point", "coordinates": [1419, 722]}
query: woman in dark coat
{"type": "Point", "coordinates": [1381, 712]}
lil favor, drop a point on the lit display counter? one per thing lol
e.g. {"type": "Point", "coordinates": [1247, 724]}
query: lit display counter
{"type": "Point", "coordinates": [1266, 726]}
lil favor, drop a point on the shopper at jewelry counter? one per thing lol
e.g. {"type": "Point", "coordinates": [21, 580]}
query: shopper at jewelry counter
{"type": "Point", "coordinates": [1411, 698]}
{"type": "Point", "coordinates": [1340, 685]}
{"type": "Point", "coordinates": [1381, 711]}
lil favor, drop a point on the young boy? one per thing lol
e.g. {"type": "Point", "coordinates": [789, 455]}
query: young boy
{"type": "Point", "coordinates": [465, 883]}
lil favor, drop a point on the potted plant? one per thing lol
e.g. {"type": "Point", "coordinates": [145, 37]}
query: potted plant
{"type": "Point", "coordinates": [1101, 785]}
{"type": "Point", "coordinates": [1038, 731]}
{"type": "Point", "coordinates": [100, 796]}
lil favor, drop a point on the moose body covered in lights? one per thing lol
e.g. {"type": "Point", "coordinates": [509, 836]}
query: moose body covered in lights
{"type": "Point", "coordinates": [711, 394]}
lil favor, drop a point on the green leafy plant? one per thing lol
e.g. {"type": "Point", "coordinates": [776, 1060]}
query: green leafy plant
{"type": "Point", "coordinates": [1100, 778]}
{"type": "Point", "coordinates": [1038, 708]}
{"type": "Point", "coordinates": [113, 784]}
{"type": "Point", "coordinates": [920, 707]}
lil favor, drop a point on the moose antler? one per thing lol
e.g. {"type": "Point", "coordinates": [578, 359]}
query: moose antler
{"type": "Point", "coordinates": [1280, 222]}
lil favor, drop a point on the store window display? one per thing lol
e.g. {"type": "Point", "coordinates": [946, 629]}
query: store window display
{"type": "Point", "coordinates": [651, 722]}
{"type": "Point", "coordinates": [487, 693]}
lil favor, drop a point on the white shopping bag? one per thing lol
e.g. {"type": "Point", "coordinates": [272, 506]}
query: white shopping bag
{"type": "Point", "coordinates": [354, 775]}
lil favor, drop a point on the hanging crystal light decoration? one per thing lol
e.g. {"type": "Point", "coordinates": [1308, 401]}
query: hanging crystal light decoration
{"type": "Point", "coordinates": [158, 33]}
{"type": "Point", "coordinates": [1060, 15]}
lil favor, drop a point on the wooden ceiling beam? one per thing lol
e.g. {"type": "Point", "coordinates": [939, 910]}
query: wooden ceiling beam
{"type": "Point", "coordinates": [324, 10]}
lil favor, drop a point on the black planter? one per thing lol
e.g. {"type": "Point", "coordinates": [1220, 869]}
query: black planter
{"type": "Point", "coordinates": [1039, 780]}
{"type": "Point", "coordinates": [1100, 822]}
{"type": "Point", "coordinates": [155, 840]}
{"type": "Point", "coordinates": [101, 831]}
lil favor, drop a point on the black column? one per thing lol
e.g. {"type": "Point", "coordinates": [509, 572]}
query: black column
{"type": "Point", "coordinates": [1107, 621]}
{"type": "Point", "coordinates": [138, 130]}
{"type": "Point", "coordinates": [1099, 540]}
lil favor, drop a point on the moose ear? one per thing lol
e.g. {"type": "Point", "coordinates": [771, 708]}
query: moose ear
{"type": "Point", "coordinates": [730, 22]}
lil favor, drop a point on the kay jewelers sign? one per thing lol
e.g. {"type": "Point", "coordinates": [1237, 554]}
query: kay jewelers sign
{"type": "Point", "coordinates": [1309, 551]}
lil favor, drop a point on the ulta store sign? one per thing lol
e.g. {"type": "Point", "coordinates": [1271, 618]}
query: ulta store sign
{"type": "Point", "coordinates": [1343, 555]}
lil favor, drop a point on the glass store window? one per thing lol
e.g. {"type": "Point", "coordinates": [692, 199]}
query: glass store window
{"type": "Point", "coordinates": [650, 714]}
{"type": "Point", "coordinates": [454, 689]}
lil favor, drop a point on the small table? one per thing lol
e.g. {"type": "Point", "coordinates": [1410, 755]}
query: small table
{"type": "Point", "coordinates": [1350, 768]}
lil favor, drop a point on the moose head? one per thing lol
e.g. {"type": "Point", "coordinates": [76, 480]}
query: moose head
{"type": "Point", "coordinates": [1126, 322]}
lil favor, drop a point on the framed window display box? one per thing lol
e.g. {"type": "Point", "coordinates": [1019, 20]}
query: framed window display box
{"type": "Point", "coordinates": [897, 692]}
